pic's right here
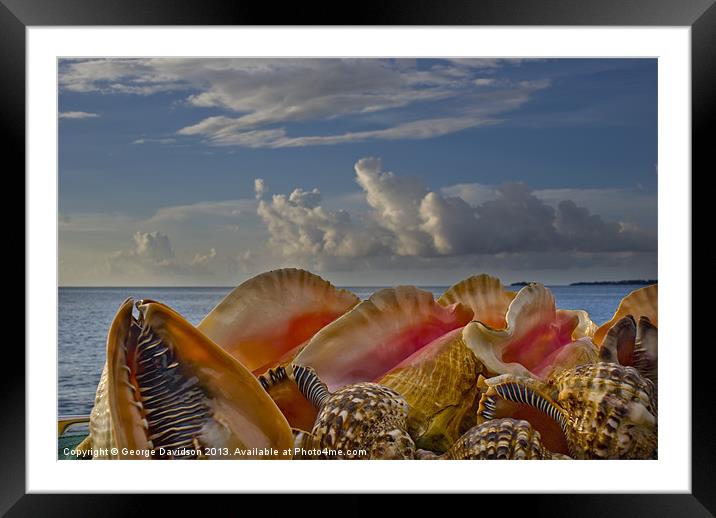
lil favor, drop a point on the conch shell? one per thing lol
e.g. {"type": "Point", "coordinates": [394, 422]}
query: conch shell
{"type": "Point", "coordinates": [401, 338]}
{"type": "Point", "coordinates": [359, 421]}
{"type": "Point", "coordinates": [484, 295]}
{"type": "Point", "coordinates": [641, 302]}
{"type": "Point", "coordinates": [169, 390]}
{"type": "Point", "coordinates": [538, 338]}
{"type": "Point", "coordinates": [632, 344]}
{"type": "Point", "coordinates": [500, 439]}
{"type": "Point", "coordinates": [439, 382]}
{"type": "Point", "coordinates": [265, 320]}
{"type": "Point", "coordinates": [605, 410]}
{"type": "Point", "coordinates": [377, 334]}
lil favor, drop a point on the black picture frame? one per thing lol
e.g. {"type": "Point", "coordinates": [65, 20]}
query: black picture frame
{"type": "Point", "coordinates": [700, 15]}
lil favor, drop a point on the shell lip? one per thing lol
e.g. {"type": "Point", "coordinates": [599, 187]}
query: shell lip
{"type": "Point", "coordinates": [126, 418]}
{"type": "Point", "coordinates": [242, 414]}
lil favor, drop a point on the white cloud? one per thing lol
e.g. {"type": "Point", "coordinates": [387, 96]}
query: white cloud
{"type": "Point", "coordinates": [261, 96]}
{"type": "Point", "coordinates": [222, 210]}
{"type": "Point", "coordinates": [153, 255]}
{"type": "Point", "coordinates": [404, 219]}
{"type": "Point", "coordinates": [301, 228]}
{"type": "Point", "coordinates": [154, 141]}
{"type": "Point", "coordinates": [395, 203]}
{"type": "Point", "coordinates": [77, 115]}
{"type": "Point", "coordinates": [204, 259]}
{"type": "Point", "coordinates": [259, 188]}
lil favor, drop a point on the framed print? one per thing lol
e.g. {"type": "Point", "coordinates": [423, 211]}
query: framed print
{"type": "Point", "coordinates": [420, 234]}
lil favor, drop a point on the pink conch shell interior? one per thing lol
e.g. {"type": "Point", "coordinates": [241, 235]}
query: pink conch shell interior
{"type": "Point", "coordinates": [538, 337]}
{"type": "Point", "coordinates": [484, 295]}
{"type": "Point", "coordinates": [378, 334]}
{"type": "Point", "coordinates": [266, 319]}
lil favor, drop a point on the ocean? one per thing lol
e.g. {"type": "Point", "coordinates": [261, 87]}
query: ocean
{"type": "Point", "coordinates": [86, 313]}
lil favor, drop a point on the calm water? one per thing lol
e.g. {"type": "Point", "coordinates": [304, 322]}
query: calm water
{"type": "Point", "coordinates": [86, 313]}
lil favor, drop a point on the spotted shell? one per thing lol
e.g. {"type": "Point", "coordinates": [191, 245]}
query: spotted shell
{"type": "Point", "coordinates": [604, 410]}
{"type": "Point", "coordinates": [484, 295]}
{"type": "Point", "coordinates": [500, 439]}
{"type": "Point", "coordinates": [359, 421]}
{"type": "Point", "coordinates": [638, 303]}
{"type": "Point", "coordinates": [168, 391]}
{"type": "Point", "coordinates": [612, 411]}
{"type": "Point", "coordinates": [439, 383]}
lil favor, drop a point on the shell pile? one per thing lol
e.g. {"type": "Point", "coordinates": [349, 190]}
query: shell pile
{"type": "Point", "coordinates": [289, 366]}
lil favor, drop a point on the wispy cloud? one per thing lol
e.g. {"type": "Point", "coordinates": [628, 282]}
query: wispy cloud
{"type": "Point", "coordinates": [154, 141]}
{"type": "Point", "coordinates": [77, 115]}
{"type": "Point", "coordinates": [264, 99]}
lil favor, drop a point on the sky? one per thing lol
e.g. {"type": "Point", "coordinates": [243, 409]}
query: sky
{"type": "Point", "coordinates": [368, 172]}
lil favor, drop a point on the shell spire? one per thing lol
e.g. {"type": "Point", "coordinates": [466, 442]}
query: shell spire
{"type": "Point", "coordinates": [360, 421]}
{"type": "Point", "coordinates": [498, 439]}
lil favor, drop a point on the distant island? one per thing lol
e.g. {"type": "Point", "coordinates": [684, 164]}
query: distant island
{"type": "Point", "coordinates": [640, 282]}
{"type": "Point", "coordinates": [616, 283]}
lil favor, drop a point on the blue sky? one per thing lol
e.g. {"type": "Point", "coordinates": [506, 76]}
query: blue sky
{"type": "Point", "coordinates": [207, 171]}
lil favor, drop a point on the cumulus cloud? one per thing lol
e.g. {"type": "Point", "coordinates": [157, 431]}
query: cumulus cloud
{"type": "Point", "coordinates": [77, 115]}
{"type": "Point", "coordinates": [153, 254]}
{"type": "Point", "coordinates": [262, 96]}
{"type": "Point", "coordinates": [204, 259]}
{"type": "Point", "coordinates": [405, 219]}
{"type": "Point", "coordinates": [301, 228]}
{"type": "Point", "coordinates": [259, 188]}
{"type": "Point", "coordinates": [634, 208]}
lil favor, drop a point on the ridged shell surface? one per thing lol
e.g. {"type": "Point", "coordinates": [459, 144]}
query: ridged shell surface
{"type": "Point", "coordinates": [362, 416]}
{"type": "Point", "coordinates": [484, 295]}
{"type": "Point", "coordinates": [641, 302]}
{"type": "Point", "coordinates": [439, 382]}
{"type": "Point", "coordinates": [500, 439]}
{"type": "Point", "coordinates": [266, 319]}
{"type": "Point", "coordinates": [612, 411]}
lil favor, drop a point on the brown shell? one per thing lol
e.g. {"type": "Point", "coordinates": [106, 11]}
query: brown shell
{"type": "Point", "coordinates": [169, 391]}
{"type": "Point", "coordinates": [439, 383]}
{"type": "Point", "coordinates": [500, 439]}
{"type": "Point", "coordinates": [632, 344]}
{"type": "Point", "coordinates": [641, 302]}
{"type": "Point", "coordinates": [484, 295]}
{"type": "Point", "coordinates": [364, 416]}
{"type": "Point", "coordinates": [612, 411]}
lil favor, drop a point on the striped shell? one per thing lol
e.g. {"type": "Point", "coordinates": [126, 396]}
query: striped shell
{"type": "Point", "coordinates": [499, 439]}
{"type": "Point", "coordinates": [612, 411]}
{"type": "Point", "coordinates": [169, 391]}
{"type": "Point", "coordinates": [604, 410]}
{"type": "Point", "coordinates": [363, 416]}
